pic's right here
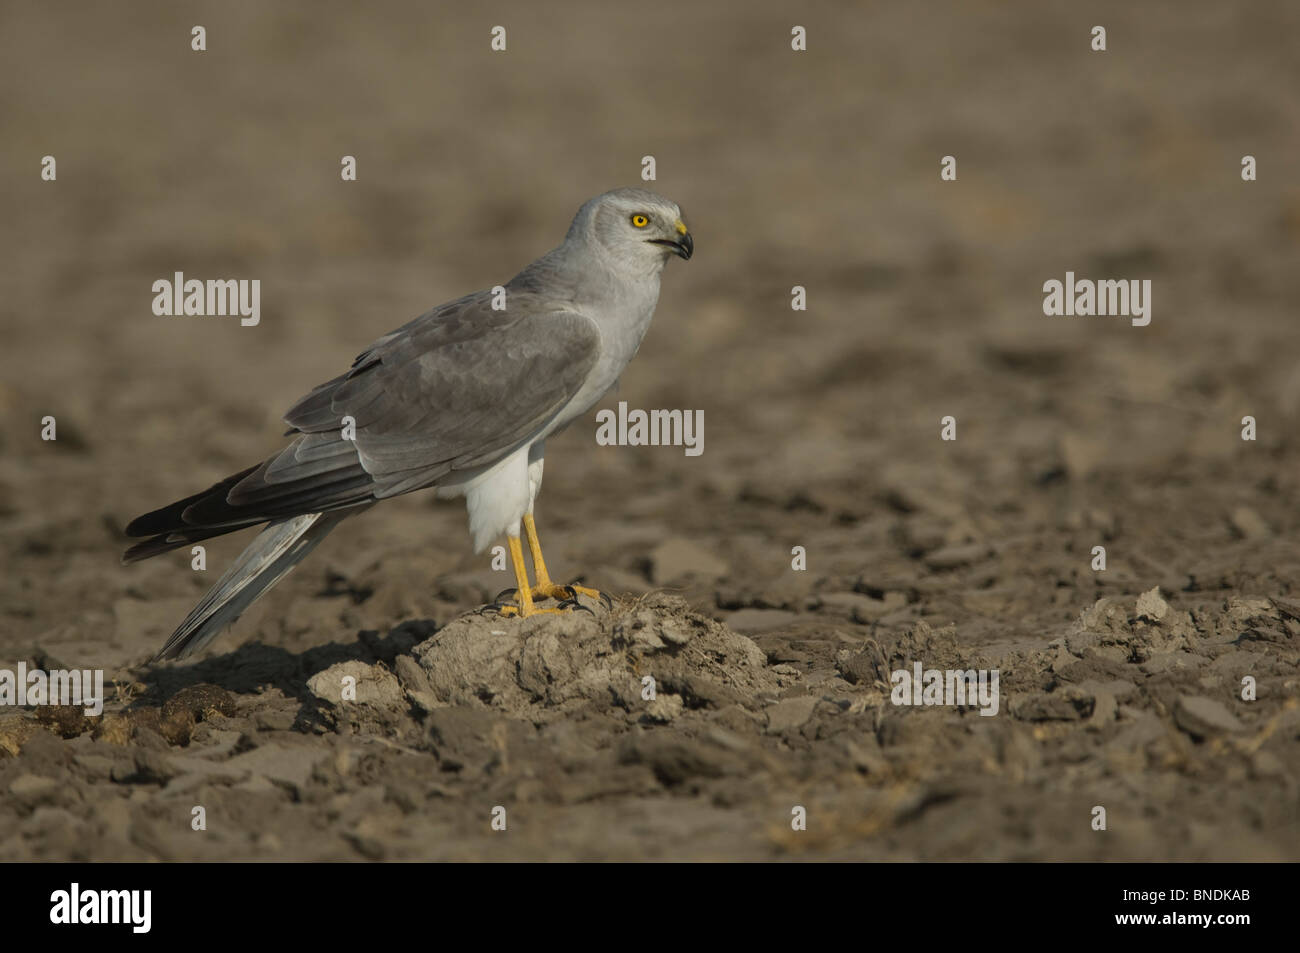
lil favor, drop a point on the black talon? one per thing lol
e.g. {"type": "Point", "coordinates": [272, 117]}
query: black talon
{"type": "Point", "coordinates": [504, 594]}
{"type": "Point", "coordinates": [574, 604]}
{"type": "Point", "coordinates": [605, 600]}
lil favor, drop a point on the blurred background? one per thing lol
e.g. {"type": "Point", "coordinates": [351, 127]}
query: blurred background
{"type": "Point", "coordinates": [817, 168]}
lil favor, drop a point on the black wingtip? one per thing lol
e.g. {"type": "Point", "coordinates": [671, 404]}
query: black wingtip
{"type": "Point", "coordinates": [171, 518]}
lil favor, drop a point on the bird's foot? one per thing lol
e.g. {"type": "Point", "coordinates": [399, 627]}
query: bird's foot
{"type": "Point", "coordinates": [507, 606]}
{"type": "Point", "coordinates": [509, 611]}
{"type": "Point", "coordinates": [570, 593]}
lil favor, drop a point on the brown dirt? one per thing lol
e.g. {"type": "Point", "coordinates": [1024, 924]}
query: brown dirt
{"type": "Point", "coordinates": [822, 431]}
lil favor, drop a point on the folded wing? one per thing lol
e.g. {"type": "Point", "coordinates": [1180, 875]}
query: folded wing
{"type": "Point", "coordinates": [459, 387]}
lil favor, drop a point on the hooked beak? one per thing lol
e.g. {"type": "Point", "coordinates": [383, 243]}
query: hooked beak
{"type": "Point", "coordinates": [686, 247]}
{"type": "Point", "coordinates": [683, 247]}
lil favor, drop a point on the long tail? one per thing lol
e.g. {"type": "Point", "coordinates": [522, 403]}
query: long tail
{"type": "Point", "coordinates": [268, 559]}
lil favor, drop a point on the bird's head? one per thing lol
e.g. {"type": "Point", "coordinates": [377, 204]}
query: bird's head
{"type": "Point", "coordinates": [635, 226]}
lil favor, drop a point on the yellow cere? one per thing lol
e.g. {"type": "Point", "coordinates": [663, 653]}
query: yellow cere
{"type": "Point", "coordinates": [681, 227]}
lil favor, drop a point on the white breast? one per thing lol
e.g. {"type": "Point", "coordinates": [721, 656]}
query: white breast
{"type": "Point", "coordinates": [622, 329]}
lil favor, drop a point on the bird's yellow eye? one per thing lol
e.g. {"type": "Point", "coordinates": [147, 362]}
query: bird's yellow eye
{"type": "Point", "coordinates": [640, 221]}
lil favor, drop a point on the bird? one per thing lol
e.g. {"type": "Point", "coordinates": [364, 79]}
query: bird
{"type": "Point", "coordinates": [460, 400]}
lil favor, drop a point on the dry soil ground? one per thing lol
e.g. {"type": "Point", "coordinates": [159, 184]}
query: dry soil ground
{"type": "Point", "coordinates": [818, 169]}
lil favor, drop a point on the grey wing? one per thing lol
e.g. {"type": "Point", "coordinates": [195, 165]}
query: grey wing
{"type": "Point", "coordinates": [458, 387]}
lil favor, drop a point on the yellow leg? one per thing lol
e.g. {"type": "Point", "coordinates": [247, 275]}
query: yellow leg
{"type": "Point", "coordinates": [521, 575]}
{"type": "Point", "coordinates": [545, 589]}
{"type": "Point", "coordinates": [525, 606]}
{"type": "Point", "coordinates": [535, 547]}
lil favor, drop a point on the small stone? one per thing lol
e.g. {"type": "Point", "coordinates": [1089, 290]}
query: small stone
{"type": "Point", "coordinates": [113, 728]}
{"type": "Point", "coordinates": [1203, 717]}
{"type": "Point", "coordinates": [954, 557]}
{"type": "Point", "coordinates": [373, 685]}
{"type": "Point", "coordinates": [862, 668]}
{"type": "Point", "coordinates": [790, 713]}
{"type": "Point", "coordinates": [664, 708]}
{"type": "Point", "coordinates": [1151, 606]}
{"type": "Point", "coordinates": [144, 767]}
{"type": "Point", "coordinates": [412, 677]}
{"type": "Point", "coordinates": [66, 721]}
{"type": "Point", "coordinates": [855, 606]}
{"type": "Point", "coordinates": [202, 701]}
{"type": "Point", "coordinates": [31, 789]}
{"type": "Point", "coordinates": [1248, 524]}
{"type": "Point", "coordinates": [1104, 709]}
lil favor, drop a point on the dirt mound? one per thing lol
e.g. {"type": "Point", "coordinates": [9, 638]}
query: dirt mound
{"type": "Point", "coordinates": [650, 659]}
